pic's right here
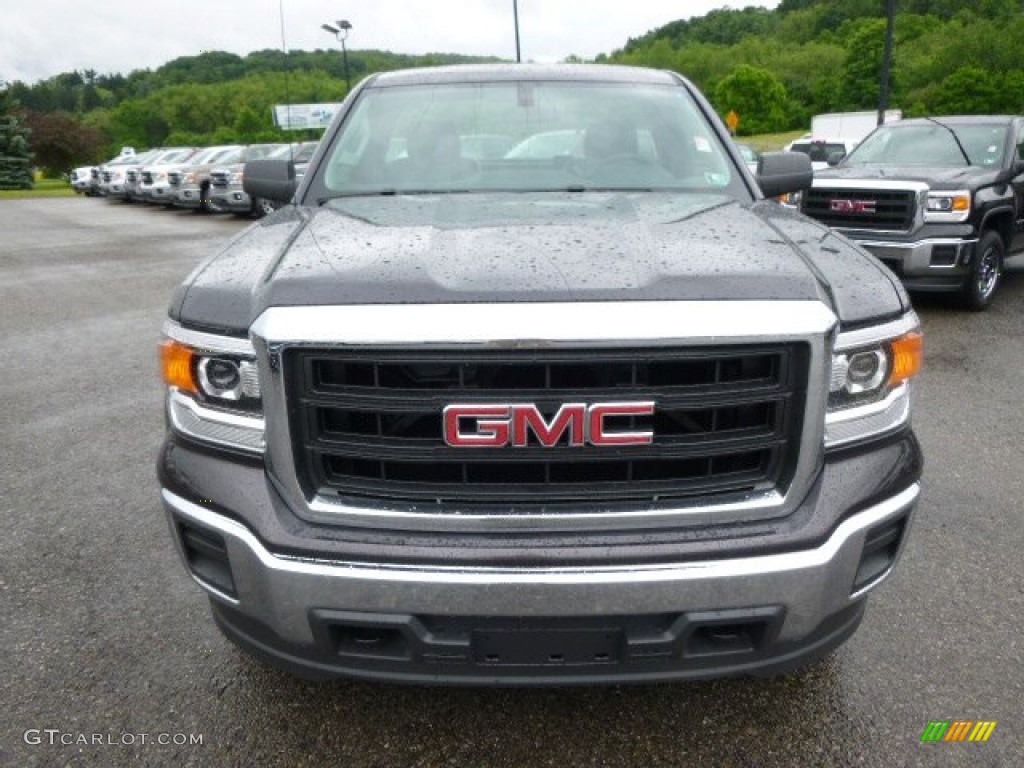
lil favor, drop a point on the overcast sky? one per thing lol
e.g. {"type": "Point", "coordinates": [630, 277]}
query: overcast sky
{"type": "Point", "coordinates": [42, 38]}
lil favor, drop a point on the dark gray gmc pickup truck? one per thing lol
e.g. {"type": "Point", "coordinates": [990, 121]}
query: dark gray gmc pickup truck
{"type": "Point", "coordinates": [585, 409]}
{"type": "Point", "coordinates": [939, 200]}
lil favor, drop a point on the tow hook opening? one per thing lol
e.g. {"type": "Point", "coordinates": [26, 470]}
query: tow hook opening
{"type": "Point", "coordinates": [881, 546]}
{"type": "Point", "coordinates": [207, 557]}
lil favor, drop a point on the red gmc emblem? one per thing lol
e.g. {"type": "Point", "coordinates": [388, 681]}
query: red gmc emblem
{"type": "Point", "coordinates": [852, 206]}
{"type": "Point", "coordinates": [498, 425]}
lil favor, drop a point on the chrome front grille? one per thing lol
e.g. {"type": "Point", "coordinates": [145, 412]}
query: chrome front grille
{"type": "Point", "coordinates": [368, 424]}
{"type": "Point", "coordinates": [874, 209]}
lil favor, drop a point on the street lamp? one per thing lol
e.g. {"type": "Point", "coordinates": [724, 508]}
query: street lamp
{"type": "Point", "coordinates": [515, 17]}
{"type": "Point", "coordinates": [341, 32]}
{"type": "Point", "coordinates": [886, 75]}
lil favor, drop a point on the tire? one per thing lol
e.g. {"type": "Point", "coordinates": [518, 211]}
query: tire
{"type": "Point", "coordinates": [261, 207]}
{"type": "Point", "coordinates": [986, 272]}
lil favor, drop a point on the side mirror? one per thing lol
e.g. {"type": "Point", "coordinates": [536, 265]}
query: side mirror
{"type": "Point", "coordinates": [270, 180]}
{"type": "Point", "coordinates": [780, 173]}
{"type": "Point", "coordinates": [836, 158]}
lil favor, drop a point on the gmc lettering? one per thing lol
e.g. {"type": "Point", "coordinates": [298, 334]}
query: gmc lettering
{"type": "Point", "coordinates": [495, 426]}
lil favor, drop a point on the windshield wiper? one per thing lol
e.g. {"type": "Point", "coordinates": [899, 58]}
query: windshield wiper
{"type": "Point", "coordinates": [390, 192]}
{"type": "Point", "coordinates": [955, 138]}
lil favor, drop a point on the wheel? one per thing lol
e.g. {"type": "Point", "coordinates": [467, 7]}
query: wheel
{"type": "Point", "coordinates": [986, 271]}
{"type": "Point", "coordinates": [263, 207]}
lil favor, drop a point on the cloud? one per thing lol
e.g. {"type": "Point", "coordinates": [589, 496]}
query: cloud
{"type": "Point", "coordinates": [42, 38]}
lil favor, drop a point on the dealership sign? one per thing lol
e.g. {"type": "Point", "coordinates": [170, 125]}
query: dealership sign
{"type": "Point", "coordinates": [301, 117]}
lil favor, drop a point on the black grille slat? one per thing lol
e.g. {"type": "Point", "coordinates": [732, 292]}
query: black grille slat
{"type": "Point", "coordinates": [669, 424]}
{"type": "Point", "coordinates": [894, 209]}
{"type": "Point", "coordinates": [499, 491]}
{"type": "Point", "coordinates": [390, 377]}
{"type": "Point", "coordinates": [429, 452]}
{"type": "Point", "coordinates": [408, 403]}
{"type": "Point", "coordinates": [368, 424]}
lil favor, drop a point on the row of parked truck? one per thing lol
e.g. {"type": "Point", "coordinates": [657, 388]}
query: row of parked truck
{"type": "Point", "coordinates": [200, 178]}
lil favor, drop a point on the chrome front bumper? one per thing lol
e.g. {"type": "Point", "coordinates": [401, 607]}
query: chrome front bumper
{"type": "Point", "coordinates": [282, 592]}
{"type": "Point", "coordinates": [930, 257]}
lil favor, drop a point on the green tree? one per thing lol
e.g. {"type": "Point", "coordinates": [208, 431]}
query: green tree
{"type": "Point", "coordinates": [1012, 98]}
{"type": "Point", "coordinates": [15, 154]}
{"type": "Point", "coordinates": [864, 53]}
{"type": "Point", "coordinates": [248, 125]}
{"type": "Point", "coordinates": [60, 141]}
{"type": "Point", "coordinates": [757, 96]}
{"type": "Point", "coordinates": [969, 91]}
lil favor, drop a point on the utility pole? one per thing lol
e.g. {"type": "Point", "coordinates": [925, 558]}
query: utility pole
{"type": "Point", "coordinates": [883, 89]}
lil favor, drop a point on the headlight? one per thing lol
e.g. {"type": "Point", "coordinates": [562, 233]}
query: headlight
{"type": "Point", "coordinates": [791, 199]}
{"type": "Point", "coordinates": [189, 178]}
{"type": "Point", "coordinates": [213, 388]}
{"type": "Point", "coordinates": [947, 207]}
{"type": "Point", "coordinates": [237, 176]}
{"type": "Point", "coordinates": [870, 385]}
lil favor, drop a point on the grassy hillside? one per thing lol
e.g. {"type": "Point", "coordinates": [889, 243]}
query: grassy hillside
{"type": "Point", "coordinates": [778, 67]}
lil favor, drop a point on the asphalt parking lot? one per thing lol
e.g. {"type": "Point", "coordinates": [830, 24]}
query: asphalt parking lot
{"type": "Point", "coordinates": [104, 635]}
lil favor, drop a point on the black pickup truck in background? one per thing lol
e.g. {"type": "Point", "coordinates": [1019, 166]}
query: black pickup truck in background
{"type": "Point", "coordinates": [939, 200]}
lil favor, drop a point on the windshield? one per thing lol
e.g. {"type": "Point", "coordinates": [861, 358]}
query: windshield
{"type": "Point", "coordinates": [304, 152]}
{"type": "Point", "coordinates": [173, 156]}
{"type": "Point", "coordinates": [204, 156]}
{"type": "Point", "coordinates": [261, 151]}
{"type": "Point", "coordinates": [526, 136]}
{"type": "Point", "coordinates": [131, 159]}
{"type": "Point", "coordinates": [228, 156]}
{"type": "Point", "coordinates": [298, 153]}
{"type": "Point", "coordinates": [931, 144]}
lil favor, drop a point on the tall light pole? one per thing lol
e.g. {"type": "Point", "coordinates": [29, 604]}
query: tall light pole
{"type": "Point", "coordinates": [883, 86]}
{"type": "Point", "coordinates": [341, 32]}
{"type": "Point", "coordinates": [515, 18]}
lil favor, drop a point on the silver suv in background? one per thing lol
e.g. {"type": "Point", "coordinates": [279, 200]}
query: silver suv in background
{"type": "Point", "coordinates": [133, 172]}
{"type": "Point", "coordinates": [190, 182]}
{"type": "Point", "coordinates": [300, 154]}
{"type": "Point", "coordinates": [226, 193]}
{"type": "Point", "coordinates": [81, 180]}
{"type": "Point", "coordinates": [153, 185]}
{"type": "Point", "coordinates": [112, 176]}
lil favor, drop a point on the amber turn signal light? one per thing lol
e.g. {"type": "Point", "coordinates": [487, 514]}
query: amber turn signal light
{"type": "Point", "coordinates": [176, 366]}
{"type": "Point", "coordinates": [906, 357]}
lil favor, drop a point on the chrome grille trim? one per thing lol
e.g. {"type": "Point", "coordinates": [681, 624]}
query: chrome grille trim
{"type": "Point", "coordinates": [543, 326]}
